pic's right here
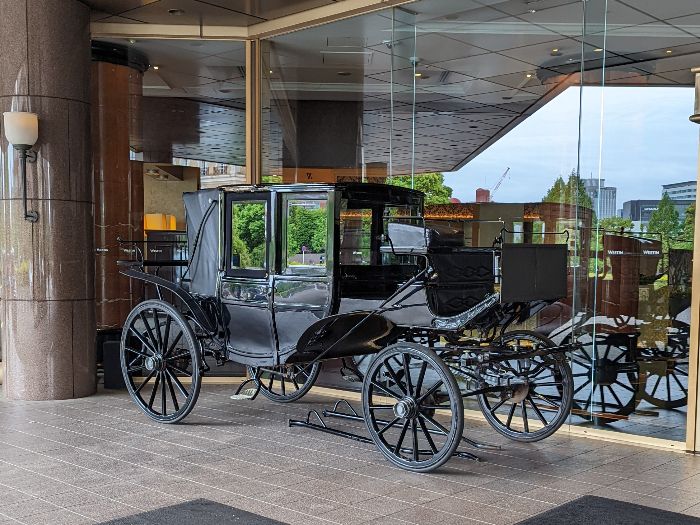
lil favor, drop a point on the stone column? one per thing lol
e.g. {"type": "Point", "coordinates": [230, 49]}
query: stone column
{"type": "Point", "coordinates": [117, 86]}
{"type": "Point", "coordinates": [47, 267]}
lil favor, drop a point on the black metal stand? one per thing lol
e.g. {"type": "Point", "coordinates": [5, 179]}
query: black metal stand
{"type": "Point", "coordinates": [352, 415]}
{"type": "Point", "coordinates": [237, 394]}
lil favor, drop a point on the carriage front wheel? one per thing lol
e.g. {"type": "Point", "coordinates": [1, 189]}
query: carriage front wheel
{"type": "Point", "coordinates": [285, 383]}
{"type": "Point", "coordinates": [161, 361]}
{"type": "Point", "coordinates": [540, 392]}
{"type": "Point", "coordinates": [413, 407]}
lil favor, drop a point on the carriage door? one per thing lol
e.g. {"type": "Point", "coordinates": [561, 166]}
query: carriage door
{"type": "Point", "coordinates": [246, 286]}
{"type": "Point", "coordinates": [303, 290]}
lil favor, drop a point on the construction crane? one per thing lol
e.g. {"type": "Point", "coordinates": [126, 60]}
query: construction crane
{"type": "Point", "coordinates": [498, 184]}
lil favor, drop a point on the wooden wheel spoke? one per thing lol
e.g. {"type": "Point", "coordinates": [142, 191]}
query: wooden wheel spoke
{"type": "Point", "coordinates": [159, 335]}
{"type": "Point", "coordinates": [430, 391]}
{"type": "Point", "coordinates": [414, 432]}
{"type": "Point", "coordinates": [498, 405]}
{"type": "Point", "coordinates": [164, 410]}
{"type": "Point", "coordinates": [435, 423]}
{"type": "Point", "coordinates": [387, 391]}
{"type": "Point", "coordinates": [427, 435]}
{"type": "Point", "coordinates": [178, 384]}
{"type": "Point", "coordinates": [421, 376]}
{"type": "Point", "coordinates": [510, 415]}
{"type": "Point", "coordinates": [173, 396]}
{"type": "Point", "coordinates": [141, 338]}
{"type": "Point", "coordinates": [284, 390]}
{"type": "Point", "coordinates": [615, 396]}
{"type": "Point", "coordinates": [393, 376]}
{"type": "Point", "coordinates": [402, 435]}
{"type": "Point", "coordinates": [180, 370]}
{"type": "Point", "coordinates": [388, 425]}
{"type": "Point", "coordinates": [538, 412]}
{"type": "Point", "coordinates": [148, 378]}
{"type": "Point", "coordinates": [138, 352]}
{"type": "Point", "coordinates": [683, 388]}
{"type": "Point", "coordinates": [178, 356]}
{"type": "Point", "coordinates": [145, 322]}
{"type": "Point", "coordinates": [166, 336]}
{"type": "Point", "coordinates": [381, 407]}
{"type": "Point", "coordinates": [154, 392]}
{"type": "Point", "coordinates": [174, 343]}
{"type": "Point", "coordinates": [546, 400]}
{"type": "Point", "coordinates": [407, 372]}
{"type": "Point", "coordinates": [524, 414]}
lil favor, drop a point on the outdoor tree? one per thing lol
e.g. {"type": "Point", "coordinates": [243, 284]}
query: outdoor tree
{"type": "Point", "coordinates": [432, 184]}
{"type": "Point", "coordinates": [306, 227]}
{"type": "Point", "coordinates": [665, 220]}
{"type": "Point", "coordinates": [570, 192]}
{"type": "Point", "coordinates": [615, 224]}
{"type": "Point", "coordinates": [686, 232]}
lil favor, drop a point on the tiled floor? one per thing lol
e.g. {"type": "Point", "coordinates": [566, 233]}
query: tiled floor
{"type": "Point", "coordinates": [99, 458]}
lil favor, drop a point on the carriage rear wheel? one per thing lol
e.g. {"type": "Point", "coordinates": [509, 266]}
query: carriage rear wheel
{"type": "Point", "coordinates": [412, 407]}
{"type": "Point", "coordinates": [285, 383]}
{"type": "Point", "coordinates": [540, 395]}
{"type": "Point", "coordinates": [161, 362]}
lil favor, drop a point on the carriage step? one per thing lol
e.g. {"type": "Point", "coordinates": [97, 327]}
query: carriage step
{"type": "Point", "coordinates": [247, 394]}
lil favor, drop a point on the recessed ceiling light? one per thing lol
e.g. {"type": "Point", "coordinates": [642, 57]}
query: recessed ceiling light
{"type": "Point", "coordinates": [529, 75]}
{"type": "Point", "coordinates": [156, 68]}
{"type": "Point", "coordinates": [271, 72]}
{"type": "Point", "coordinates": [555, 52]}
{"type": "Point", "coordinates": [176, 12]}
{"type": "Point", "coordinates": [344, 73]}
{"type": "Point", "coordinates": [669, 51]}
{"type": "Point", "coordinates": [533, 11]}
{"type": "Point", "coordinates": [598, 49]}
{"type": "Point", "coordinates": [132, 41]}
{"type": "Point", "coordinates": [418, 75]}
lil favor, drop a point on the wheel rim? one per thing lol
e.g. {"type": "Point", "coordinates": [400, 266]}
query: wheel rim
{"type": "Point", "coordinates": [401, 394]}
{"type": "Point", "coordinates": [285, 382]}
{"type": "Point", "coordinates": [159, 362]}
{"type": "Point", "coordinates": [606, 378]}
{"type": "Point", "coordinates": [538, 400]}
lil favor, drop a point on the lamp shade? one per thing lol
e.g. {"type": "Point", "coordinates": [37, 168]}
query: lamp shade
{"type": "Point", "coordinates": [21, 128]}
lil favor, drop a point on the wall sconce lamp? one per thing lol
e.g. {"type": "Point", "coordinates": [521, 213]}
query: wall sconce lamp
{"type": "Point", "coordinates": [22, 131]}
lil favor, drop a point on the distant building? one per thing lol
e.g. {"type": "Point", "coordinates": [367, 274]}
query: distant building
{"type": "Point", "coordinates": [607, 207]}
{"type": "Point", "coordinates": [483, 195]}
{"type": "Point", "coordinates": [679, 191]}
{"type": "Point", "coordinates": [639, 211]}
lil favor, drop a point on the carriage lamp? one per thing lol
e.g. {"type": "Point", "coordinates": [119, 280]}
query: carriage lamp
{"type": "Point", "coordinates": [22, 131]}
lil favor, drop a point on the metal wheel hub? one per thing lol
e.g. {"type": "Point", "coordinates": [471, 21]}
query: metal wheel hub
{"type": "Point", "coordinates": [519, 392]}
{"type": "Point", "coordinates": [604, 372]}
{"type": "Point", "coordinates": [407, 408]}
{"type": "Point", "coordinates": [153, 363]}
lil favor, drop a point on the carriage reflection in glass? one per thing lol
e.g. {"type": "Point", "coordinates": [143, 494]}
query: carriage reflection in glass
{"type": "Point", "coordinates": [284, 277]}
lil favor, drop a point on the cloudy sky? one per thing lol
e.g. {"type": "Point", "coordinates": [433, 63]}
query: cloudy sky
{"type": "Point", "coordinates": [647, 141]}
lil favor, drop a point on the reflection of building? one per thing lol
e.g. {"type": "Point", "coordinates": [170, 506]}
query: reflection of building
{"type": "Point", "coordinates": [639, 211]}
{"type": "Point", "coordinates": [680, 190]}
{"type": "Point", "coordinates": [607, 206]}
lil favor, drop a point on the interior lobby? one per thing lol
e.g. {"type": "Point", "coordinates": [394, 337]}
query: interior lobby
{"type": "Point", "coordinates": [564, 123]}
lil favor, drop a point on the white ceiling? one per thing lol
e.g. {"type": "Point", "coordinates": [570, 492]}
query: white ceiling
{"type": "Point", "coordinates": [485, 66]}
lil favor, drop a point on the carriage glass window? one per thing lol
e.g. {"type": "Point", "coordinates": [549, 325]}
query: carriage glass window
{"type": "Point", "coordinates": [248, 238]}
{"type": "Point", "coordinates": [306, 236]}
{"type": "Point", "coordinates": [355, 236]}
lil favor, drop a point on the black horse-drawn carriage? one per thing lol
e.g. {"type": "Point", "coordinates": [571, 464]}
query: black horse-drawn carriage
{"type": "Point", "coordinates": [284, 277]}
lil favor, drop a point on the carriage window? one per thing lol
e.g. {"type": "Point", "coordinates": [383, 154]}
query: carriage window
{"type": "Point", "coordinates": [356, 236]}
{"type": "Point", "coordinates": [248, 240]}
{"type": "Point", "coordinates": [306, 236]}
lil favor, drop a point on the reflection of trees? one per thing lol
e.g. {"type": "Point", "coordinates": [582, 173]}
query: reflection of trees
{"type": "Point", "coordinates": [306, 227]}
{"type": "Point", "coordinates": [249, 234]}
{"type": "Point", "coordinates": [432, 184]}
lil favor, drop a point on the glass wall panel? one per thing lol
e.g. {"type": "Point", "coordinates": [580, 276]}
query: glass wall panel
{"type": "Point", "coordinates": [548, 122]}
{"type": "Point", "coordinates": [638, 167]}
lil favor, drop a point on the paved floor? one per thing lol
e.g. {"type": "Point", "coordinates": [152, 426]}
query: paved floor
{"type": "Point", "coordinates": [99, 458]}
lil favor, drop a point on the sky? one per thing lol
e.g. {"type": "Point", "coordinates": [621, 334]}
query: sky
{"type": "Point", "coordinates": [647, 140]}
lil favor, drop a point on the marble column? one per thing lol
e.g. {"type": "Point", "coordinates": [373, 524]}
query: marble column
{"type": "Point", "coordinates": [47, 267]}
{"type": "Point", "coordinates": [117, 80]}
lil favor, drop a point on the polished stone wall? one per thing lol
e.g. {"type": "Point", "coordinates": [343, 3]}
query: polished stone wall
{"type": "Point", "coordinates": [116, 128]}
{"type": "Point", "coordinates": [47, 268]}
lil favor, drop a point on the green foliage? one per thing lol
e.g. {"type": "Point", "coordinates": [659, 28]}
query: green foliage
{"type": "Point", "coordinates": [306, 227]}
{"type": "Point", "coordinates": [665, 219]}
{"type": "Point", "coordinates": [432, 184]}
{"type": "Point", "coordinates": [570, 192]}
{"type": "Point", "coordinates": [686, 232]}
{"type": "Point", "coordinates": [615, 224]}
{"type": "Point", "coordinates": [248, 239]}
